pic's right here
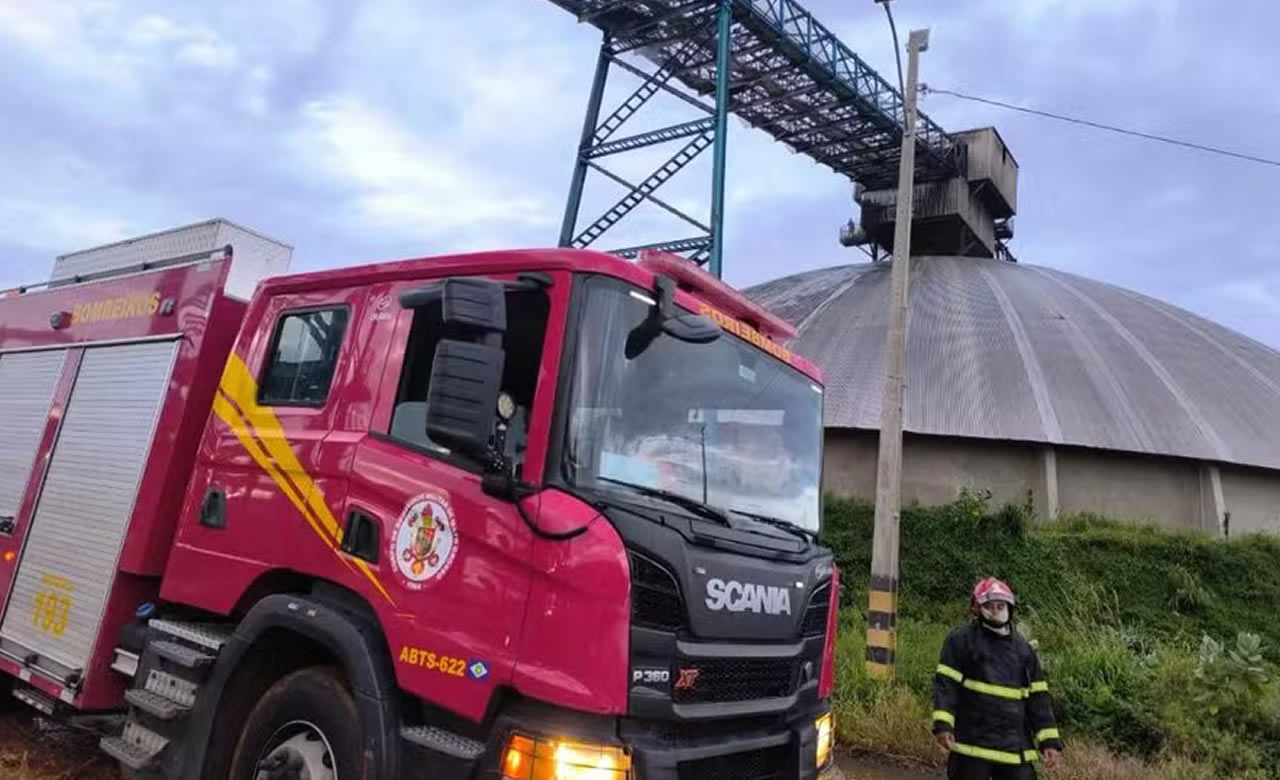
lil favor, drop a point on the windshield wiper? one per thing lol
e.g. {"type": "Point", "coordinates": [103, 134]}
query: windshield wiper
{"type": "Point", "coordinates": [803, 533]}
{"type": "Point", "coordinates": [682, 501]}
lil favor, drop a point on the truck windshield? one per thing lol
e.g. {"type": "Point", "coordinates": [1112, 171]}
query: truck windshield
{"type": "Point", "coordinates": [724, 424]}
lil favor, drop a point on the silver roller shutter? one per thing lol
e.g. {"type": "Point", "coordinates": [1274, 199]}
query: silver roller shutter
{"type": "Point", "coordinates": [69, 558]}
{"type": "Point", "coordinates": [27, 380]}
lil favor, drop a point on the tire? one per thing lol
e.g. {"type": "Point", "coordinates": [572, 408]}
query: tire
{"type": "Point", "coordinates": [306, 714]}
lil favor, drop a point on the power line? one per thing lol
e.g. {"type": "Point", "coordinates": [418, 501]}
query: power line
{"type": "Point", "coordinates": [926, 89]}
{"type": "Point", "coordinates": [897, 52]}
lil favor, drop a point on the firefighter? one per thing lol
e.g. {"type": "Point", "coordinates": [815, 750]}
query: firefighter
{"type": "Point", "coordinates": [992, 708]}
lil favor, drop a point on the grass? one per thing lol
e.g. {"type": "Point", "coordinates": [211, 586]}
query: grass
{"type": "Point", "coordinates": [1175, 584]}
{"type": "Point", "coordinates": [1090, 761]}
{"type": "Point", "coordinates": [1117, 613]}
{"type": "Point", "coordinates": [1097, 684]}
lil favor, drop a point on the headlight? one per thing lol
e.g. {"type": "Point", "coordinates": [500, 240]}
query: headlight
{"type": "Point", "coordinates": [527, 758]}
{"type": "Point", "coordinates": [826, 737]}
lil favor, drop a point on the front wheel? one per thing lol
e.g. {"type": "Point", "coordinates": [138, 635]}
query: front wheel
{"type": "Point", "coordinates": [305, 727]}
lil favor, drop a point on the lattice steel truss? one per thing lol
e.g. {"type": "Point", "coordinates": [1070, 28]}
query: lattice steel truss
{"type": "Point", "coordinates": [770, 63]}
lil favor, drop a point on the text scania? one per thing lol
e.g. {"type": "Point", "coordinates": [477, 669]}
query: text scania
{"type": "Point", "coordinates": [742, 597]}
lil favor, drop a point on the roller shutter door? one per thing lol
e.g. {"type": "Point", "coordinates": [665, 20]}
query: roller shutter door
{"type": "Point", "coordinates": [69, 558]}
{"type": "Point", "coordinates": [26, 393]}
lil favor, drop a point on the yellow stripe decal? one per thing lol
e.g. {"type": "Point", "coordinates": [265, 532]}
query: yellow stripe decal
{"type": "Point", "coordinates": [228, 414]}
{"type": "Point", "coordinates": [945, 717]}
{"type": "Point", "coordinates": [240, 387]}
{"type": "Point", "coordinates": [999, 691]}
{"type": "Point", "coordinates": [1039, 686]}
{"type": "Point", "coordinates": [999, 756]}
{"type": "Point", "coordinates": [373, 578]}
{"type": "Point", "coordinates": [1031, 756]}
{"type": "Point", "coordinates": [1044, 734]}
{"type": "Point", "coordinates": [947, 671]}
{"type": "Point", "coordinates": [271, 451]}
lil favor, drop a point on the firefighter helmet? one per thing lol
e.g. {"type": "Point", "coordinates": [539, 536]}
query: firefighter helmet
{"type": "Point", "coordinates": [988, 590]}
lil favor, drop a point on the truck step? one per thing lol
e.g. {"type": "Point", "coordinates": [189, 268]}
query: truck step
{"type": "Point", "coordinates": [155, 704]}
{"type": "Point", "coordinates": [135, 758]}
{"type": "Point", "coordinates": [169, 686]}
{"type": "Point", "coordinates": [210, 636]}
{"type": "Point", "coordinates": [35, 698]}
{"type": "Point", "coordinates": [125, 662]}
{"type": "Point", "coordinates": [182, 655]}
{"type": "Point", "coordinates": [137, 748]}
{"type": "Point", "coordinates": [442, 741]}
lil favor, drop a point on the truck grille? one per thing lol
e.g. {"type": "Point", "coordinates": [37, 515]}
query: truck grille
{"type": "Point", "coordinates": [655, 597]}
{"type": "Point", "coordinates": [734, 679]}
{"type": "Point", "coordinates": [684, 731]}
{"type": "Point", "coordinates": [815, 616]}
{"type": "Point", "coordinates": [766, 764]}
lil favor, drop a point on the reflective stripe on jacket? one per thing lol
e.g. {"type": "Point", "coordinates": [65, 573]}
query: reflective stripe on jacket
{"type": "Point", "coordinates": [989, 689]}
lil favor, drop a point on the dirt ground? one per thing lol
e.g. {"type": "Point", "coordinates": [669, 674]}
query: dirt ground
{"type": "Point", "coordinates": [867, 768]}
{"type": "Point", "coordinates": [35, 749]}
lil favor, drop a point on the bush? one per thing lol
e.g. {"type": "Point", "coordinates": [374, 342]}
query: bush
{"type": "Point", "coordinates": [1102, 687]}
{"type": "Point", "coordinates": [1231, 683]}
{"type": "Point", "coordinates": [1174, 585]}
{"type": "Point", "coordinates": [1125, 619]}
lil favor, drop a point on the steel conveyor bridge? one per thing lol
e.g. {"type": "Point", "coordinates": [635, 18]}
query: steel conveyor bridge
{"type": "Point", "coordinates": [769, 62]}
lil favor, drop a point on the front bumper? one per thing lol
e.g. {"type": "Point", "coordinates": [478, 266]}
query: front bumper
{"type": "Point", "coordinates": [785, 751]}
{"type": "Point", "coordinates": [779, 749]}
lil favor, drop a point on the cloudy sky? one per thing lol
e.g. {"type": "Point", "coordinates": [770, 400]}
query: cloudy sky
{"type": "Point", "coordinates": [393, 128]}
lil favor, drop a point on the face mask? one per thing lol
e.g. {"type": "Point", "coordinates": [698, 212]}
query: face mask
{"type": "Point", "coordinates": [995, 615]}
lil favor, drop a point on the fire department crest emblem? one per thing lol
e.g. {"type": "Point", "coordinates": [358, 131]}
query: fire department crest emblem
{"type": "Point", "coordinates": [425, 540]}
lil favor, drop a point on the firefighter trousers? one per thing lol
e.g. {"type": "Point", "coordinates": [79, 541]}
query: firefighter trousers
{"type": "Point", "coordinates": [961, 767]}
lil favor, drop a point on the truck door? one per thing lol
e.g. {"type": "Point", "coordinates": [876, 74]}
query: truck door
{"type": "Point", "coordinates": [275, 497]}
{"type": "Point", "coordinates": [454, 560]}
{"type": "Point", "coordinates": [27, 381]}
{"type": "Point", "coordinates": [69, 556]}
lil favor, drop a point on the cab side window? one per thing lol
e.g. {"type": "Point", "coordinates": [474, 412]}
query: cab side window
{"type": "Point", "coordinates": [304, 353]}
{"type": "Point", "coordinates": [527, 312]}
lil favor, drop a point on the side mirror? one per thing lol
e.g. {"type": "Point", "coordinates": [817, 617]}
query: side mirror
{"type": "Point", "coordinates": [692, 328]}
{"type": "Point", "coordinates": [465, 380]}
{"type": "Point", "coordinates": [466, 374]}
{"type": "Point", "coordinates": [475, 304]}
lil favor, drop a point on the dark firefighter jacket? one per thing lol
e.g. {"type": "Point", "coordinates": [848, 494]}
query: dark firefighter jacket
{"type": "Point", "coordinates": [990, 691]}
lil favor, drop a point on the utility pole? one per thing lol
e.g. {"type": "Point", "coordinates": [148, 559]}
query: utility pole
{"type": "Point", "coordinates": [724, 51]}
{"type": "Point", "coordinates": [882, 614]}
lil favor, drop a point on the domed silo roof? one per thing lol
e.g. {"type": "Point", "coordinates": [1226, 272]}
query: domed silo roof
{"type": "Point", "coordinates": [1007, 351]}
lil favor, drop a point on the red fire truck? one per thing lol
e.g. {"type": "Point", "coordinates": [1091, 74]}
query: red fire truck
{"type": "Point", "coordinates": [530, 515]}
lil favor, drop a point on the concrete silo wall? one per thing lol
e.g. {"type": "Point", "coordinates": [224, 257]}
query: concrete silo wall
{"type": "Point", "coordinates": [1253, 499]}
{"type": "Point", "coordinates": [934, 469]}
{"type": "Point", "coordinates": [1167, 492]}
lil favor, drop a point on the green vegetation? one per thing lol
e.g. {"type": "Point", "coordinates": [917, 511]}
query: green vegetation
{"type": "Point", "coordinates": [1159, 646]}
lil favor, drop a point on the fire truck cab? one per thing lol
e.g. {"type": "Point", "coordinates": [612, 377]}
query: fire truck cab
{"type": "Point", "coordinates": [528, 515]}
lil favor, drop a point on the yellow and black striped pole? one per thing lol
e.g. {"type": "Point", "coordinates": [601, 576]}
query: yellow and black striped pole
{"type": "Point", "coordinates": [882, 614]}
{"type": "Point", "coordinates": [882, 627]}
